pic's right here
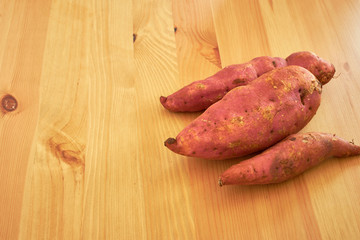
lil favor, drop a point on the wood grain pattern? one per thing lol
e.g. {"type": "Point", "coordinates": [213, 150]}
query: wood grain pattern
{"type": "Point", "coordinates": [161, 174]}
{"type": "Point", "coordinates": [23, 30]}
{"type": "Point", "coordinates": [112, 148]}
{"type": "Point", "coordinates": [55, 182]}
{"type": "Point", "coordinates": [82, 155]}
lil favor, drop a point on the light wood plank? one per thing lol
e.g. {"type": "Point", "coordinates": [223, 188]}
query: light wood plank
{"type": "Point", "coordinates": [196, 42]}
{"type": "Point", "coordinates": [23, 27]}
{"type": "Point", "coordinates": [240, 30]}
{"type": "Point", "coordinates": [54, 193]}
{"type": "Point", "coordinates": [163, 174]}
{"type": "Point", "coordinates": [113, 198]}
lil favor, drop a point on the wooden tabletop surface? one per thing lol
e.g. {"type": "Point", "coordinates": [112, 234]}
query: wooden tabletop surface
{"type": "Point", "coordinates": [82, 132]}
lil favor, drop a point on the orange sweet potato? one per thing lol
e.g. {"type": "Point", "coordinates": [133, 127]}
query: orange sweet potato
{"type": "Point", "coordinates": [288, 158]}
{"type": "Point", "coordinates": [253, 117]}
{"type": "Point", "coordinates": [199, 95]}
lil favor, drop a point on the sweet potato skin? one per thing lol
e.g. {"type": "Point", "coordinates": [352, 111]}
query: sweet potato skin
{"type": "Point", "coordinates": [253, 117]}
{"type": "Point", "coordinates": [201, 94]}
{"type": "Point", "coordinates": [288, 158]}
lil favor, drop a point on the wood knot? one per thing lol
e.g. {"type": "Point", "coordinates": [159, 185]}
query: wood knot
{"type": "Point", "coordinates": [70, 157]}
{"type": "Point", "coordinates": [67, 153]}
{"type": "Point", "coordinates": [9, 103]}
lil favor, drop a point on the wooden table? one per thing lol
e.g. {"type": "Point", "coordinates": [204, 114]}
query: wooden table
{"type": "Point", "coordinates": [81, 149]}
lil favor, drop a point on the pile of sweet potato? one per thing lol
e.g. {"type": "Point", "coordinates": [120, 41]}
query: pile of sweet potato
{"type": "Point", "coordinates": [258, 106]}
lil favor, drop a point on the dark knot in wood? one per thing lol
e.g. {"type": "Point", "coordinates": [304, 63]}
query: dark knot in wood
{"type": "Point", "coordinates": [9, 103]}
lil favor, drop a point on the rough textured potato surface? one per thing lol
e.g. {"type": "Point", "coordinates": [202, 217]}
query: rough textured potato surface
{"type": "Point", "coordinates": [288, 158]}
{"type": "Point", "coordinates": [201, 94]}
{"type": "Point", "coordinates": [253, 117]}
{"type": "Point", "coordinates": [322, 69]}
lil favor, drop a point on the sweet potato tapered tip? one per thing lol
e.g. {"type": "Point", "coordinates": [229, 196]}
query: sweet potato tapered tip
{"type": "Point", "coordinates": [163, 99]}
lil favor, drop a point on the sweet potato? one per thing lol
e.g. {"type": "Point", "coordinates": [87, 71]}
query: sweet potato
{"type": "Point", "coordinates": [199, 95]}
{"type": "Point", "coordinates": [288, 158]}
{"type": "Point", "coordinates": [253, 117]}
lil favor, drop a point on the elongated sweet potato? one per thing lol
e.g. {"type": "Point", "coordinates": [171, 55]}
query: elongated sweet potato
{"type": "Point", "coordinates": [288, 158]}
{"type": "Point", "coordinates": [199, 95]}
{"type": "Point", "coordinates": [253, 117]}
